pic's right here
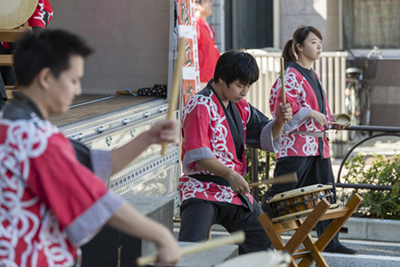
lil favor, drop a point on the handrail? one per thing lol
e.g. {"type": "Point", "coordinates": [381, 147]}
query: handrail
{"type": "Point", "coordinates": [387, 131]}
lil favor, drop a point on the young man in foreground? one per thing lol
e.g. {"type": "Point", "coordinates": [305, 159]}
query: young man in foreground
{"type": "Point", "coordinates": [51, 204]}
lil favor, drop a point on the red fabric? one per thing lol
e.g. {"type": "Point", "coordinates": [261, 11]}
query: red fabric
{"type": "Point", "coordinates": [39, 174]}
{"type": "Point", "coordinates": [38, 18]}
{"type": "Point", "coordinates": [208, 51]}
{"type": "Point", "coordinates": [299, 94]}
{"type": "Point", "coordinates": [204, 125]}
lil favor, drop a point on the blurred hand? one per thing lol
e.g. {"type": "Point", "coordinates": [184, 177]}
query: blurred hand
{"type": "Point", "coordinates": [168, 252]}
{"type": "Point", "coordinates": [164, 130]}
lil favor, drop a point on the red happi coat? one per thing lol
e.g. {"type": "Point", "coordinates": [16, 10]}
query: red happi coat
{"type": "Point", "coordinates": [206, 134]}
{"type": "Point", "coordinates": [302, 99]}
{"type": "Point", "coordinates": [208, 51]}
{"type": "Point", "coordinates": [41, 224]}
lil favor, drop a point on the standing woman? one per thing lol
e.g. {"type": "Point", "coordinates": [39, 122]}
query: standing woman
{"type": "Point", "coordinates": [304, 145]}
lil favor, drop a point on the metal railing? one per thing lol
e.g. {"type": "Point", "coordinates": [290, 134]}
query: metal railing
{"type": "Point", "coordinates": [331, 68]}
{"type": "Point", "coordinates": [382, 131]}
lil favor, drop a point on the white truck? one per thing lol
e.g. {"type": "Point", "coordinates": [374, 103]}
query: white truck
{"type": "Point", "coordinates": [134, 44]}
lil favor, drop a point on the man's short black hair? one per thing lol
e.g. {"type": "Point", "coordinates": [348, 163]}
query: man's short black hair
{"type": "Point", "coordinates": [49, 49]}
{"type": "Point", "coordinates": [233, 65]}
{"type": "Point", "coordinates": [198, 2]}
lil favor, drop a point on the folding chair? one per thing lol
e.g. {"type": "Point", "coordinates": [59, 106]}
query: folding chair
{"type": "Point", "coordinates": [312, 251]}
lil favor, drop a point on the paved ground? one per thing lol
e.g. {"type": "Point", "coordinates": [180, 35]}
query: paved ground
{"type": "Point", "coordinates": [377, 254]}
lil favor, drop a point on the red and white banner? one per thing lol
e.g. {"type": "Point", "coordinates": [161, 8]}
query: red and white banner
{"type": "Point", "coordinates": [187, 29]}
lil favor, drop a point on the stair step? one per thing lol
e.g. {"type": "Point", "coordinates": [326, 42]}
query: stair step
{"type": "Point", "coordinates": [6, 60]}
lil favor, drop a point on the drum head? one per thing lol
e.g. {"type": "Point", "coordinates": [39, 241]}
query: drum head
{"type": "Point", "coordinates": [298, 192]}
{"type": "Point", "coordinates": [259, 259]}
{"type": "Point", "coordinates": [14, 13]}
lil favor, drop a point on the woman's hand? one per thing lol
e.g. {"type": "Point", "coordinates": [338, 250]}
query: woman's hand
{"type": "Point", "coordinates": [284, 113]}
{"type": "Point", "coordinates": [319, 118]}
{"type": "Point", "coordinates": [336, 126]}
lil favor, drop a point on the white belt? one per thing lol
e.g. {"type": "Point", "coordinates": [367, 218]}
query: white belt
{"type": "Point", "coordinates": [315, 134]}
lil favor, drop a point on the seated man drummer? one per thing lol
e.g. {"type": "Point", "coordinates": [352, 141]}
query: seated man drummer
{"type": "Point", "coordinates": [217, 123]}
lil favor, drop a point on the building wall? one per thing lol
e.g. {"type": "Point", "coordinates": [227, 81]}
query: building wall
{"type": "Point", "coordinates": [322, 14]}
{"type": "Point", "coordinates": [385, 96]}
{"type": "Point", "coordinates": [217, 21]}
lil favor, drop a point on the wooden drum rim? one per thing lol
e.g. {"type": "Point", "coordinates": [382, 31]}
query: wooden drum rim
{"type": "Point", "coordinates": [299, 192]}
{"type": "Point", "coordinates": [15, 13]}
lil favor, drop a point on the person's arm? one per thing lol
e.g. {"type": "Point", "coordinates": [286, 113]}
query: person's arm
{"type": "Point", "coordinates": [130, 221]}
{"type": "Point", "coordinates": [264, 133]}
{"type": "Point", "coordinates": [318, 117]}
{"type": "Point", "coordinates": [293, 89]}
{"type": "Point", "coordinates": [236, 181]}
{"type": "Point", "coordinates": [165, 130]}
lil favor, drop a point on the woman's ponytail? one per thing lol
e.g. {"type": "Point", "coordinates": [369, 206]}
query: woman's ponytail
{"type": "Point", "coordinates": [288, 53]}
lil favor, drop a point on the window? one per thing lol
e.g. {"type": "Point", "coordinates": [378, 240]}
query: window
{"type": "Point", "coordinates": [369, 23]}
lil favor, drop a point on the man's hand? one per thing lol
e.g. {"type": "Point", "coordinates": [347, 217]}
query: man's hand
{"type": "Point", "coordinates": [168, 252]}
{"type": "Point", "coordinates": [284, 113]}
{"type": "Point", "coordinates": [238, 183]}
{"type": "Point", "coordinates": [164, 130]}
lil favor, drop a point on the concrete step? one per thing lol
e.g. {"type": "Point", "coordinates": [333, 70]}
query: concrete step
{"type": "Point", "coordinates": [208, 258]}
{"type": "Point", "coordinates": [110, 247]}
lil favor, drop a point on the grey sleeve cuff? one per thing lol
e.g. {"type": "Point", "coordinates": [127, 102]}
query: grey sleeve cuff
{"type": "Point", "coordinates": [297, 120]}
{"type": "Point", "coordinates": [86, 226]}
{"type": "Point", "coordinates": [267, 140]}
{"type": "Point", "coordinates": [102, 165]}
{"type": "Point", "coordinates": [195, 155]}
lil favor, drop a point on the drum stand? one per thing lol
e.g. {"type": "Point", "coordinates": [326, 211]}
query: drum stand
{"type": "Point", "coordinates": [312, 251]}
{"type": "Point", "coordinates": [12, 35]}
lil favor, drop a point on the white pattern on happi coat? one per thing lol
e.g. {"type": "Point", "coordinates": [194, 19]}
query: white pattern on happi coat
{"type": "Point", "coordinates": [26, 139]}
{"type": "Point", "coordinates": [218, 141]}
{"type": "Point", "coordinates": [193, 186]}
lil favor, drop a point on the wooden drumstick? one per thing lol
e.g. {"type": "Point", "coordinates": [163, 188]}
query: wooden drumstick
{"type": "Point", "coordinates": [282, 179]}
{"type": "Point", "coordinates": [283, 83]}
{"type": "Point", "coordinates": [235, 238]}
{"type": "Point", "coordinates": [176, 82]}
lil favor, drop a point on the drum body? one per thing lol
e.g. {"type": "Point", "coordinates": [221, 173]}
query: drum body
{"type": "Point", "coordinates": [298, 203]}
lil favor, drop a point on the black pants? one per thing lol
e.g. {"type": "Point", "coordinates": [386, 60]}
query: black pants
{"type": "Point", "coordinates": [197, 217]}
{"type": "Point", "coordinates": [310, 171]}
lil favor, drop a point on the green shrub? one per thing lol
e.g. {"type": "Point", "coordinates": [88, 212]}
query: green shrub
{"type": "Point", "coordinates": [382, 171]}
{"type": "Point", "coordinates": [262, 172]}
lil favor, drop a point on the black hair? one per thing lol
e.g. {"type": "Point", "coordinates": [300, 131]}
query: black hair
{"type": "Point", "coordinates": [48, 49]}
{"type": "Point", "coordinates": [198, 2]}
{"type": "Point", "coordinates": [290, 50]}
{"type": "Point", "coordinates": [233, 65]}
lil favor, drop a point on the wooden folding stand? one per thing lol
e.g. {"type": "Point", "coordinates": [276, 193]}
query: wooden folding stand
{"type": "Point", "coordinates": [312, 251]}
{"type": "Point", "coordinates": [7, 60]}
